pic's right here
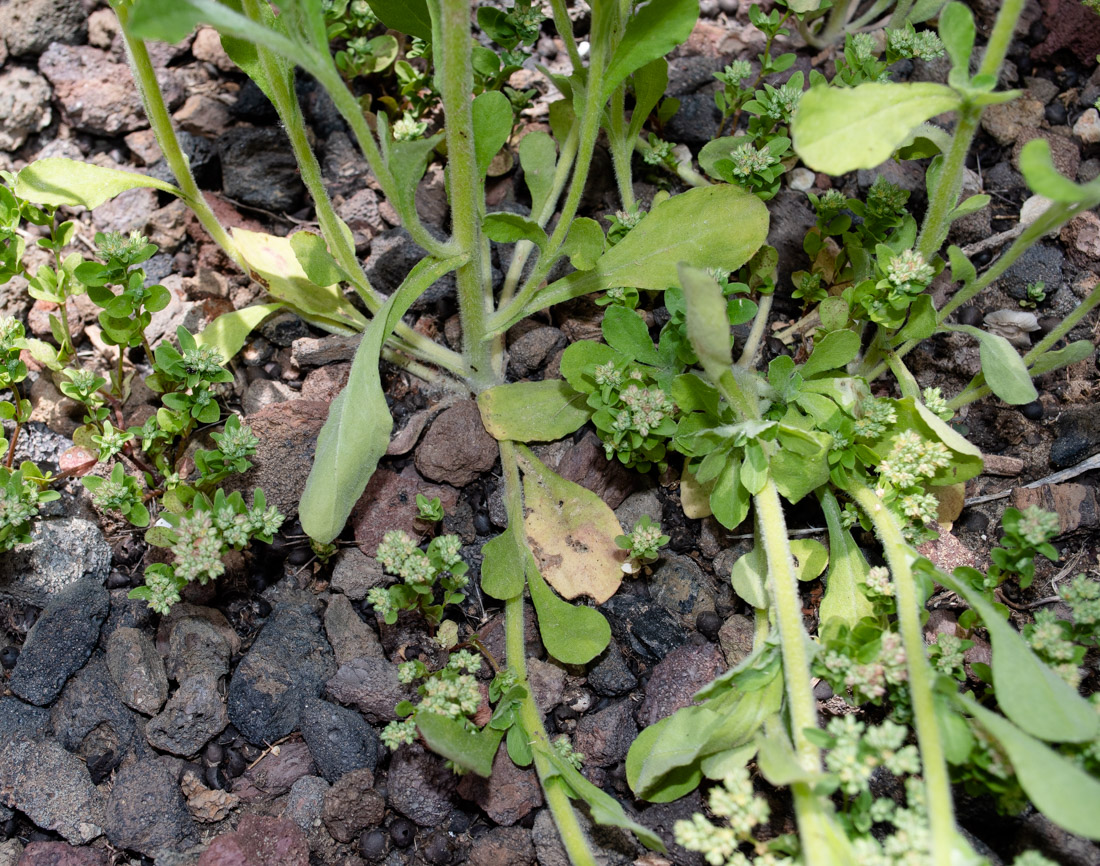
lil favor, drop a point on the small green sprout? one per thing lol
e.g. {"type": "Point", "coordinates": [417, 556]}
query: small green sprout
{"type": "Point", "coordinates": [118, 492]}
{"type": "Point", "coordinates": [643, 544]}
{"type": "Point", "coordinates": [1035, 295]}
{"type": "Point", "coordinates": [429, 510]}
{"type": "Point", "coordinates": [564, 748]}
{"type": "Point", "coordinates": [421, 571]}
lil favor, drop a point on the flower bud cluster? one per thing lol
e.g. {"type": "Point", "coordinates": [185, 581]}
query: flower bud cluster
{"type": "Point", "coordinates": [743, 810]}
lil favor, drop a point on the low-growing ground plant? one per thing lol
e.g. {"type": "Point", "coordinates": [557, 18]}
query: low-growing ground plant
{"type": "Point", "coordinates": [843, 423]}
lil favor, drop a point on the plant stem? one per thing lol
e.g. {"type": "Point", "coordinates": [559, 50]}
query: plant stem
{"type": "Point", "coordinates": [589, 130]}
{"type": "Point", "coordinates": [1001, 37]}
{"type": "Point", "coordinates": [161, 122]}
{"type": "Point", "coordinates": [466, 190]}
{"type": "Point", "coordinates": [787, 607]}
{"type": "Point", "coordinates": [756, 334]}
{"type": "Point", "coordinates": [9, 459]}
{"type": "Point", "coordinates": [572, 836]}
{"type": "Point", "coordinates": [936, 781]}
{"type": "Point", "coordinates": [565, 30]}
{"type": "Point", "coordinates": [946, 194]}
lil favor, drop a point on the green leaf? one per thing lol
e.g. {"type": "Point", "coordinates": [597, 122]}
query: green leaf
{"type": "Point", "coordinates": [778, 762]}
{"type": "Point", "coordinates": [585, 353]}
{"type": "Point", "coordinates": [810, 557]}
{"type": "Point", "coordinates": [662, 765]}
{"type": "Point", "coordinates": [838, 130]}
{"type": "Point", "coordinates": [966, 459]}
{"type": "Point", "coordinates": [834, 313]}
{"type": "Point", "coordinates": [707, 325]}
{"type": "Point", "coordinates": [719, 765]}
{"type": "Point", "coordinates": [245, 54]}
{"type": "Point", "coordinates": [652, 32]}
{"type": "Point", "coordinates": [626, 332]}
{"type": "Point", "coordinates": [584, 244]}
{"type": "Point", "coordinates": [408, 160]}
{"type": "Point", "coordinates": [922, 320]}
{"type": "Point", "coordinates": [1044, 179]}
{"type": "Point", "coordinates": [507, 228]}
{"type": "Point", "coordinates": [1028, 692]}
{"type": "Point", "coordinates": [58, 181]}
{"type": "Point", "coordinates": [405, 16]}
{"type": "Point", "coordinates": [532, 411]}
{"type": "Point", "coordinates": [573, 634]}
{"type": "Point", "coordinates": [1057, 787]}
{"type": "Point", "coordinates": [502, 568]}
{"type": "Point", "coordinates": [492, 126]}
{"type": "Point", "coordinates": [729, 500]}
{"type": "Point", "coordinates": [727, 225]}
{"type": "Point", "coordinates": [843, 602]}
{"type": "Point", "coordinates": [357, 431]}
{"type": "Point", "coordinates": [273, 260]}
{"type": "Point", "coordinates": [800, 465]}
{"type": "Point", "coordinates": [836, 350]}
{"type": "Point", "coordinates": [173, 20]}
{"type": "Point", "coordinates": [972, 205]}
{"type": "Point", "coordinates": [316, 261]}
{"type": "Point", "coordinates": [749, 577]}
{"type": "Point", "coordinates": [650, 83]}
{"type": "Point", "coordinates": [229, 331]}
{"type": "Point", "coordinates": [957, 32]}
{"type": "Point", "coordinates": [1076, 351]}
{"type": "Point", "coordinates": [1004, 369]}
{"type": "Point", "coordinates": [447, 737]}
{"type": "Point", "coordinates": [539, 157]}
{"type": "Point", "coordinates": [605, 809]}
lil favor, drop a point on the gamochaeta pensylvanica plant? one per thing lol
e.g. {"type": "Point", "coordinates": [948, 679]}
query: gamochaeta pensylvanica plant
{"type": "Point", "coordinates": [746, 439]}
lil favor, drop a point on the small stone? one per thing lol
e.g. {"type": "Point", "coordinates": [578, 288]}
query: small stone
{"type": "Point", "coordinates": [1087, 127]}
{"type": "Point", "coordinates": [207, 805]}
{"type": "Point", "coordinates": [197, 647]}
{"type": "Point", "coordinates": [326, 383]}
{"type": "Point", "coordinates": [736, 638]}
{"type": "Point", "coordinates": [191, 718]}
{"type": "Point", "coordinates": [1064, 151]}
{"type": "Point", "coordinates": [611, 676]}
{"type": "Point", "coordinates": [393, 253]}
{"type": "Point", "coordinates": [648, 629]}
{"type": "Point", "coordinates": [801, 179]}
{"type": "Point", "coordinates": [259, 841]}
{"type": "Point", "coordinates": [288, 662]}
{"type": "Point", "coordinates": [547, 682]}
{"type": "Point", "coordinates": [1075, 504]}
{"type": "Point", "coordinates": [203, 115]}
{"type": "Point", "coordinates": [263, 393]}
{"type": "Point", "coordinates": [275, 773]}
{"type": "Point", "coordinates": [1005, 122]}
{"type": "Point", "coordinates": [508, 795]}
{"type": "Point", "coordinates": [62, 552]}
{"type": "Point", "coordinates": [137, 669]}
{"type": "Point", "coordinates": [19, 720]}
{"type": "Point", "coordinates": [389, 502]}
{"type": "Point", "coordinates": [420, 785]}
{"type": "Point", "coordinates": [456, 449]}
{"type": "Point", "coordinates": [351, 638]}
{"type": "Point", "coordinates": [207, 46]}
{"type": "Point", "coordinates": [352, 806]}
{"type": "Point", "coordinates": [679, 586]}
{"type": "Point", "coordinates": [60, 642]}
{"type": "Point", "coordinates": [355, 574]}
{"type": "Point", "coordinates": [146, 811]}
{"type": "Point", "coordinates": [371, 686]}
{"type": "Point", "coordinates": [1082, 237]}
{"type": "Point", "coordinates": [51, 786]}
{"type": "Point", "coordinates": [637, 505]}
{"type": "Point", "coordinates": [676, 679]}
{"type": "Point", "coordinates": [29, 26]}
{"type": "Point", "coordinates": [1033, 208]}
{"type": "Point", "coordinates": [503, 846]}
{"type": "Point", "coordinates": [338, 738]}
{"type": "Point", "coordinates": [306, 801]}
{"type": "Point", "coordinates": [24, 106]}
{"type": "Point", "coordinates": [259, 170]}
{"type": "Point", "coordinates": [529, 352]}
{"type": "Point", "coordinates": [605, 737]}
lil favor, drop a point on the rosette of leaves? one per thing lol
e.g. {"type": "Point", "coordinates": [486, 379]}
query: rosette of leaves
{"type": "Point", "coordinates": [627, 383]}
{"type": "Point", "coordinates": [236, 443]}
{"type": "Point", "coordinates": [118, 492]}
{"type": "Point", "coordinates": [421, 572]}
{"type": "Point", "coordinates": [21, 497]}
{"type": "Point", "coordinates": [184, 379]}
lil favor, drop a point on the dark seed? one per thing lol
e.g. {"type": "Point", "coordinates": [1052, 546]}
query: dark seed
{"type": "Point", "coordinates": [482, 525]}
{"type": "Point", "coordinates": [438, 850]}
{"type": "Point", "coordinates": [1055, 113]}
{"type": "Point", "coordinates": [249, 752]}
{"type": "Point", "coordinates": [263, 607]}
{"type": "Point", "coordinates": [1033, 411]}
{"type": "Point", "coordinates": [708, 623]}
{"type": "Point", "coordinates": [235, 765]}
{"type": "Point", "coordinates": [9, 655]}
{"type": "Point", "coordinates": [216, 779]}
{"type": "Point", "coordinates": [1049, 323]}
{"type": "Point", "coordinates": [372, 844]}
{"type": "Point", "coordinates": [402, 832]}
{"type": "Point", "coordinates": [117, 580]}
{"type": "Point", "coordinates": [100, 766]}
{"type": "Point", "coordinates": [971, 316]}
{"type": "Point", "coordinates": [213, 755]}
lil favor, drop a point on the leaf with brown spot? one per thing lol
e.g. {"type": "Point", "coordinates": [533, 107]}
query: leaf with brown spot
{"type": "Point", "coordinates": [571, 532]}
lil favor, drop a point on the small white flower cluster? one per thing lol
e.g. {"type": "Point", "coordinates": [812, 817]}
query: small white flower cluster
{"type": "Point", "coordinates": [409, 128]}
{"type": "Point", "coordinates": [647, 407]}
{"type": "Point", "coordinates": [743, 810]}
{"type": "Point", "coordinates": [875, 418]}
{"type": "Point", "coordinates": [935, 402]}
{"type": "Point", "coordinates": [913, 459]}
{"type": "Point", "coordinates": [909, 268]}
{"type": "Point", "coordinates": [747, 160]}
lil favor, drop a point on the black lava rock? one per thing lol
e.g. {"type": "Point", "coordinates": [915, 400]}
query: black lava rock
{"type": "Point", "coordinates": [288, 663]}
{"type": "Point", "coordinates": [258, 169]}
{"type": "Point", "coordinates": [60, 642]}
{"type": "Point", "coordinates": [339, 739]}
{"type": "Point", "coordinates": [647, 628]}
{"type": "Point", "coordinates": [146, 811]}
{"type": "Point", "coordinates": [611, 676]}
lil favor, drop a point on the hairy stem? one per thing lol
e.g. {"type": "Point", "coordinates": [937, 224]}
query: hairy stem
{"type": "Point", "coordinates": [756, 334]}
{"type": "Point", "coordinates": [936, 781]}
{"type": "Point", "coordinates": [466, 189]}
{"type": "Point", "coordinates": [937, 219]}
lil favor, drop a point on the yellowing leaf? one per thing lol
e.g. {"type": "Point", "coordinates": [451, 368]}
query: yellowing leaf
{"type": "Point", "coordinates": [571, 532]}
